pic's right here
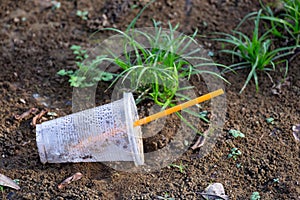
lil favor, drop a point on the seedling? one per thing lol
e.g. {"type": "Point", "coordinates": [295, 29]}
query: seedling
{"type": "Point", "coordinates": [256, 52]}
{"type": "Point", "coordinates": [234, 153]}
{"type": "Point", "coordinates": [255, 196]}
{"type": "Point", "coordinates": [286, 24]}
{"type": "Point", "coordinates": [55, 5]}
{"type": "Point", "coordinates": [79, 52]}
{"type": "Point", "coordinates": [275, 180]}
{"type": "Point", "coordinates": [270, 120]}
{"type": "Point", "coordinates": [88, 72]}
{"type": "Point", "coordinates": [236, 133]}
{"type": "Point", "coordinates": [239, 165]}
{"type": "Point", "coordinates": [181, 167]}
{"type": "Point", "coordinates": [82, 14]}
{"type": "Point", "coordinates": [203, 116]}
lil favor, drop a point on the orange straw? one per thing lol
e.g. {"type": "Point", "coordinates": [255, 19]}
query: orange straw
{"type": "Point", "coordinates": [178, 107]}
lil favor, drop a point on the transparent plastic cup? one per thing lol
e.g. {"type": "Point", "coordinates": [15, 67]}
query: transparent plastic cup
{"type": "Point", "coordinates": [104, 133]}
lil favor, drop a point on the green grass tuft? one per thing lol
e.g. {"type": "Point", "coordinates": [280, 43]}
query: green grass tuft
{"type": "Point", "coordinates": [255, 52]}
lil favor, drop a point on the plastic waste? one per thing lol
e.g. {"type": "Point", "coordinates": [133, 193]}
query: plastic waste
{"type": "Point", "coordinates": [103, 133]}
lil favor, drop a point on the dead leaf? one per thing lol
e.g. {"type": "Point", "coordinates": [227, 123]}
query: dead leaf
{"type": "Point", "coordinates": [201, 140]}
{"type": "Point", "coordinates": [40, 115]}
{"type": "Point", "coordinates": [70, 179]}
{"type": "Point", "coordinates": [26, 114]}
{"type": "Point", "coordinates": [214, 191]}
{"type": "Point", "coordinates": [7, 182]}
{"type": "Point", "coordinates": [296, 132]}
{"type": "Point", "coordinates": [277, 89]}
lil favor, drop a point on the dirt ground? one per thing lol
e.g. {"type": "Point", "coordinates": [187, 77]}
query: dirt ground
{"type": "Point", "coordinates": [35, 40]}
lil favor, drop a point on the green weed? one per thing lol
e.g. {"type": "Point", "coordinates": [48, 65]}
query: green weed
{"type": "Point", "coordinates": [55, 5]}
{"type": "Point", "coordinates": [234, 153]}
{"type": "Point", "coordinates": [236, 133]}
{"type": "Point", "coordinates": [159, 69]}
{"type": "Point", "coordinates": [88, 73]}
{"type": "Point", "coordinates": [285, 24]}
{"type": "Point", "coordinates": [275, 180]}
{"type": "Point", "coordinates": [82, 14]}
{"type": "Point", "coordinates": [255, 52]}
{"type": "Point", "coordinates": [255, 196]}
{"type": "Point", "coordinates": [203, 116]}
{"type": "Point", "coordinates": [180, 167]}
{"type": "Point", "coordinates": [270, 120]}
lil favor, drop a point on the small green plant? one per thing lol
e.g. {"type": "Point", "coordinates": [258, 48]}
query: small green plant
{"type": "Point", "coordinates": [203, 115]}
{"type": "Point", "coordinates": [180, 167]}
{"type": "Point", "coordinates": [79, 52]}
{"type": "Point", "coordinates": [55, 5]}
{"type": "Point", "coordinates": [239, 165]}
{"type": "Point", "coordinates": [17, 181]}
{"type": "Point", "coordinates": [82, 14]}
{"type": "Point", "coordinates": [274, 26]}
{"type": "Point", "coordinates": [285, 24]}
{"type": "Point", "coordinates": [88, 72]}
{"type": "Point", "coordinates": [255, 52]}
{"type": "Point", "coordinates": [270, 120]}
{"type": "Point", "coordinates": [234, 153]}
{"type": "Point", "coordinates": [236, 133]}
{"type": "Point", "coordinates": [275, 180]}
{"type": "Point", "coordinates": [255, 196]}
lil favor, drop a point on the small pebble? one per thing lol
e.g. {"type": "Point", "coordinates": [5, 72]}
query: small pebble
{"type": "Point", "coordinates": [22, 101]}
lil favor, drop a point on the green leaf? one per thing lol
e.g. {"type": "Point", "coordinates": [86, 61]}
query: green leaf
{"type": "Point", "coordinates": [236, 133]}
{"type": "Point", "coordinates": [270, 120]}
{"type": "Point", "coordinates": [255, 196]}
{"type": "Point", "coordinates": [75, 47]}
{"type": "Point", "coordinates": [107, 76]}
{"type": "Point", "coordinates": [63, 72]}
{"type": "Point", "coordinates": [76, 81]}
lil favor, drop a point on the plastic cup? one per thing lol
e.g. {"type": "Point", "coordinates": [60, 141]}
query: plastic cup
{"type": "Point", "coordinates": [104, 133]}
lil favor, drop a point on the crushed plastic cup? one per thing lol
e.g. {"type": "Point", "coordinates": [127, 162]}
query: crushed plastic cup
{"type": "Point", "coordinates": [103, 133]}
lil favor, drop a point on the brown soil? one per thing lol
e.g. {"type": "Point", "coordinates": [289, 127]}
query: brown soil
{"type": "Point", "coordinates": [35, 41]}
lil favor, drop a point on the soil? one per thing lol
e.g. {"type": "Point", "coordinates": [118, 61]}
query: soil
{"type": "Point", "coordinates": [35, 40]}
